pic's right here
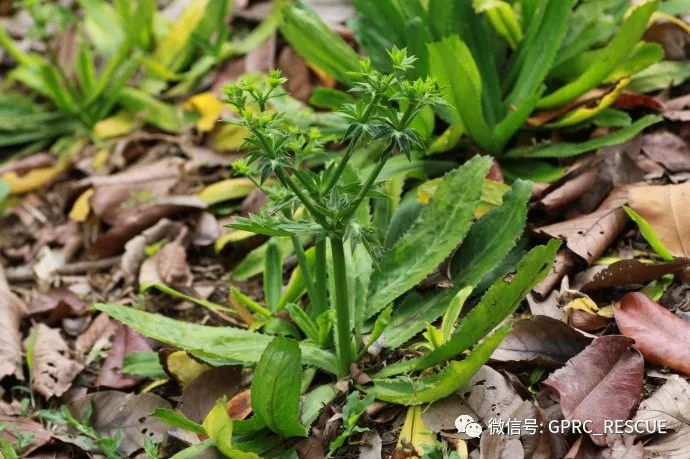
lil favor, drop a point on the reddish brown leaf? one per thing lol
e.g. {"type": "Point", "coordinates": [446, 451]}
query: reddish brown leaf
{"type": "Point", "coordinates": [632, 271]}
{"type": "Point", "coordinates": [603, 382]}
{"type": "Point", "coordinates": [541, 341]}
{"type": "Point", "coordinates": [201, 394]}
{"type": "Point", "coordinates": [124, 343]}
{"type": "Point", "coordinates": [661, 337]}
{"type": "Point", "coordinates": [240, 406]}
{"type": "Point", "coordinates": [57, 304]}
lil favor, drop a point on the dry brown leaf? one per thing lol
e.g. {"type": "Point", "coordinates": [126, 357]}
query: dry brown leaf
{"type": "Point", "coordinates": [128, 415]}
{"type": "Point", "coordinates": [201, 394]}
{"type": "Point", "coordinates": [590, 235]}
{"type": "Point", "coordinates": [603, 382]}
{"type": "Point", "coordinates": [240, 406]}
{"type": "Point", "coordinates": [667, 149]}
{"type": "Point", "coordinates": [52, 369]}
{"type": "Point", "coordinates": [632, 271]}
{"type": "Point", "coordinates": [662, 337]}
{"type": "Point", "coordinates": [12, 309]}
{"type": "Point", "coordinates": [670, 404]}
{"type": "Point", "coordinates": [171, 262]}
{"type": "Point", "coordinates": [24, 165]}
{"type": "Point", "coordinates": [57, 304]}
{"type": "Point", "coordinates": [541, 341]}
{"type": "Point", "coordinates": [101, 328]}
{"type": "Point", "coordinates": [665, 208]}
{"type": "Point", "coordinates": [500, 447]}
{"type": "Point", "coordinates": [135, 249]}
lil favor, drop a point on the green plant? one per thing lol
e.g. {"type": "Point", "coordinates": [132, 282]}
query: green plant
{"type": "Point", "coordinates": [129, 59]}
{"type": "Point", "coordinates": [360, 274]}
{"type": "Point", "coordinates": [500, 62]}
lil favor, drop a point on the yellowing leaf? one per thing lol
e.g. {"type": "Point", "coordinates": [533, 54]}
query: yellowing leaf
{"type": "Point", "coordinates": [183, 368]}
{"type": "Point", "coordinates": [208, 106]}
{"type": "Point", "coordinates": [228, 137]}
{"type": "Point", "coordinates": [172, 48]}
{"type": "Point", "coordinates": [122, 123]}
{"type": "Point", "coordinates": [492, 194]}
{"type": "Point", "coordinates": [232, 236]}
{"type": "Point", "coordinates": [584, 303]}
{"type": "Point", "coordinates": [225, 190]}
{"type": "Point", "coordinates": [100, 159]}
{"type": "Point", "coordinates": [82, 207]}
{"type": "Point", "coordinates": [587, 111]}
{"type": "Point", "coordinates": [415, 436]}
{"type": "Point", "coordinates": [34, 179]}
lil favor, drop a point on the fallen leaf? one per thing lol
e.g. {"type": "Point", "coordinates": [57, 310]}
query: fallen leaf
{"type": "Point", "coordinates": [23, 165]}
{"type": "Point", "coordinates": [632, 271]}
{"type": "Point", "coordinates": [33, 179]}
{"type": "Point", "coordinates": [371, 446]}
{"type": "Point", "coordinates": [662, 337]}
{"type": "Point", "coordinates": [590, 235]}
{"type": "Point", "coordinates": [414, 437]}
{"type": "Point", "coordinates": [603, 382]}
{"type": "Point", "coordinates": [171, 262]}
{"type": "Point", "coordinates": [500, 447]}
{"type": "Point", "coordinates": [670, 404]}
{"type": "Point", "coordinates": [667, 149]}
{"type": "Point", "coordinates": [52, 369]}
{"type": "Point", "coordinates": [135, 248]}
{"type": "Point", "coordinates": [240, 406]}
{"type": "Point", "coordinates": [101, 328]}
{"type": "Point", "coordinates": [226, 190]}
{"type": "Point", "coordinates": [82, 207]}
{"type": "Point", "coordinates": [57, 304]}
{"type": "Point", "coordinates": [310, 448]}
{"type": "Point", "coordinates": [12, 309]}
{"type": "Point", "coordinates": [664, 208]}
{"type": "Point", "coordinates": [14, 427]}
{"type": "Point", "coordinates": [541, 341]}
{"type": "Point", "coordinates": [490, 395]}
{"type": "Point", "coordinates": [208, 106]}
{"type": "Point", "coordinates": [201, 394]}
{"type": "Point", "coordinates": [124, 343]}
{"type": "Point", "coordinates": [117, 125]}
{"type": "Point", "coordinates": [207, 230]}
{"type": "Point", "coordinates": [295, 69]}
{"type": "Point", "coordinates": [124, 414]}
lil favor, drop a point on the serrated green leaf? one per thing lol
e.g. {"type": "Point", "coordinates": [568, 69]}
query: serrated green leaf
{"type": "Point", "coordinates": [143, 363]}
{"type": "Point", "coordinates": [222, 344]}
{"type": "Point", "coordinates": [276, 387]}
{"type": "Point", "coordinates": [408, 390]}
{"type": "Point", "coordinates": [439, 228]}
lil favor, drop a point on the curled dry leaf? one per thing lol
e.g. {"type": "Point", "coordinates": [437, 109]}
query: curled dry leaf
{"type": "Point", "coordinates": [12, 309]}
{"type": "Point", "coordinates": [490, 395]}
{"type": "Point", "coordinates": [52, 369]}
{"type": "Point", "coordinates": [661, 337]}
{"type": "Point", "coordinates": [665, 208]}
{"type": "Point", "coordinates": [57, 304]}
{"type": "Point", "coordinates": [669, 404]}
{"type": "Point", "coordinates": [632, 271]}
{"type": "Point", "coordinates": [124, 343]}
{"type": "Point", "coordinates": [590, 235]}
{"type": "Point", "coordinates": [603, 382]}
{"type": "Point", "coordinates": [135, 249]}
{"type": "Point", "coordinates": [541, 341]}
{"type": "Point", "coordinates": [171, 262]}
{"type": "Point", "coordinates": [127, 414]}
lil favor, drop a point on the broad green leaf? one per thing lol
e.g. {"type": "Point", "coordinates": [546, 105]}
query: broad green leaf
{"type": "Point", "coordinates": [567, 149]}
{"type": "Point", "coordinates": [175, 419]}
{"type": "Point", "coordinates": [411, 390]}
{"type": "Point", "coordinates": [488, 242]}
{"type": "Point", "coordinates": [614, 54]}
{"type": "Point", "coordinates": [144, 363]}
{"type": "Point", "coordinates": [317, 43]}
{"type": "Point", "coordinates": [222, 344]}
{"type": "Point", "coordinates": [649, 234]}
{"type": "Point", "coordinates": [218, 427]}
{"type": "Point", "coordinates": [314, 401]}
{"type": "Point", "coordinates": [160, 114]}
{"type": "Point", "coordinates": [499, 301]}
{"type": "Point", "coordinates": [535, 170]}
{"type": "Point", "coordinates": [660, 76]}
{"type": "Point", "coordinates": [276, 388]}
{"type": "Point", "coordinates": [452, 64]}
{"type": "Point", "coordinates": [449, 214]}
{"type": "Point", "coordinates": [102, 25]}
{"type": "Point", "coordinates": [502, 17]}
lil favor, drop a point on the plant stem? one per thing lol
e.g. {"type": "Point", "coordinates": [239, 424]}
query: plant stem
{"type": "Point", "coordinates": [352, 208]}
{"type": "Point", "coordinates": [320, 281]}
{"type": "Point", "coordinates": [342, 306]}
{"type": "Point", "coordinates": [285, 179]}
{"type": "Point", "coordinates": [304, 267]}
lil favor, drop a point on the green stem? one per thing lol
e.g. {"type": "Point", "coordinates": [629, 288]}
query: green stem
{"type": "Point", "coordinates": [342, 306]}
{"type": "Point", "coordinates": [304, 199]}
{"type": "Point", "coordinates": [352, 208]}
{"type": "Point", "coordinates": [341, 166]}
{"type": "Point", "coordinates": [304, 267]}
{"type": "Point", "coordinates": [321, 282]}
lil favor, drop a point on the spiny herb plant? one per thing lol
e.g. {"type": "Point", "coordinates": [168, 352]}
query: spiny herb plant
{"type": "Point", "coordinates": [352, 297]}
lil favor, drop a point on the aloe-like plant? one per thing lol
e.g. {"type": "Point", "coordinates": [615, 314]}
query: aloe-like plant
{"type": "Point", "coordinates": [125, 66]}
{"type": "Point", "coordinates": [353, 292]}
{"type": "Point", "coordinates": [499, 62]}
